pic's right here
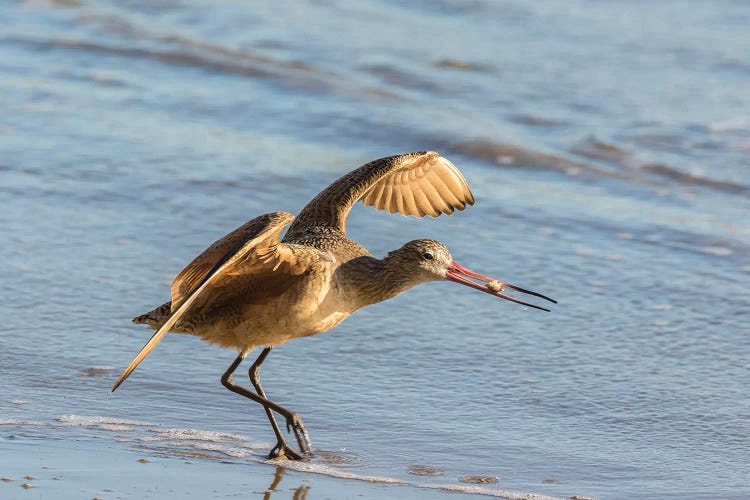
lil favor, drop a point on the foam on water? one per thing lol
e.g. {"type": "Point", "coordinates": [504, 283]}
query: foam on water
{"type": "Point", "coordinates": [730, 125]}
{"type": "Point", "coordinates": [22, 423]}
{"type": "Point", "coordinates": [102, 423]}
{"type": "Point", "coordinates": [197, 435]}
{"type": "Point", "coordinates": [199, 444]}
{"type": "Point", "coordinates": [478, 490]}
{"type": "Point", "coordinates": [208, 443]}
{"type": "Point", "coordinates": [716, 251]}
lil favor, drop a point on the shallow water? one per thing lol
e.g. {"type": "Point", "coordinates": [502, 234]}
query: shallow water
{"type": "Point", "coordinates": [608, 148]}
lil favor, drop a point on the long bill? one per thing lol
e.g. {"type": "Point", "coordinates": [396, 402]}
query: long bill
{"type": "Point", "coordinates": [464, 276]}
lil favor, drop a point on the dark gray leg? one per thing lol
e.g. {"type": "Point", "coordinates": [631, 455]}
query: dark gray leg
{"type": "Point", "coordinates": [292, 419]}
{"type": "Point", "coordinates": [296, 424]}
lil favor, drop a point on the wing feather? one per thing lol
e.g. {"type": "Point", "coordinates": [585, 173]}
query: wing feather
{"type": "Point", "coordinates": [436, 201]}
{"type": "Point", "coordinates": [446, 193]}
{"type": "Point", "coordinates": [415, 184]}
{"type": "Point", "coordinates": [191, 276]}
{"type": "Point", "coordinates": [398, 199]}
{"type": "Point", "coordinates": [427, 205]}
{"type": "Point", "coordinates": [405, 192]}
{"type": "Point", "coordinates": [378, 192]}
{"type": "Point", "coordinates": [454, 184]}
{"type": "Point", "coordinates": [260, 254]}
{"type": "Point", "coordinates": [430, 188]}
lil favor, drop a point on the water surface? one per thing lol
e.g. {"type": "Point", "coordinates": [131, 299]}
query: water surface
{"type": "Point", "coordinates": [608, 148]}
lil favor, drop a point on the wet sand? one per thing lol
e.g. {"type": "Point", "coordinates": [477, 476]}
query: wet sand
{"type": "Point", "coordinates": [32, 468]}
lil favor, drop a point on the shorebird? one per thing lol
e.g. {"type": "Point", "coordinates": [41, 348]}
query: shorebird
{"type": "Point", "coordinates": [251, 289]}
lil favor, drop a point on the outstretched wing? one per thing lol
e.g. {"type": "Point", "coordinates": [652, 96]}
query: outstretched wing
{"type": "Point", "coordinates": [252, 249]}
{"type": "Point", "coordinates": [265, 228]}
{"type": "Point", "coordinates": [416, 184]}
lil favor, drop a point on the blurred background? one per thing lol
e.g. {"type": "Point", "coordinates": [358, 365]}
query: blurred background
{"type": "Point", "coordinates": [607, 144]}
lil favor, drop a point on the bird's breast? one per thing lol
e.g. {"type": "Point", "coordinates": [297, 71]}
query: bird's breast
{"type": "Point", "coordinates": [325, 306]}
{"type": "Point", "coordinates": [312, 304]}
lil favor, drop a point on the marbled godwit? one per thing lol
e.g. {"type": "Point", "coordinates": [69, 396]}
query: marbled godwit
{"type": "Point", "coordinates": [250, 289]}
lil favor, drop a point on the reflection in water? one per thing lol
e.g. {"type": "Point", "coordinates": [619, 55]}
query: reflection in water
{"type": "Point", "coordinates": [299, 493]}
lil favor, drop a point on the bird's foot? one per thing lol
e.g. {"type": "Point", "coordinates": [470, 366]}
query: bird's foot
{"type": "Point", "coordinates": [283, 451]}
{"type": "Point", "coordinates": [294, 423]}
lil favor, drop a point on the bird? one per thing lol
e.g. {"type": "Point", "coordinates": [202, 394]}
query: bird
{"type": "Point", "coordinates": [252, 289]}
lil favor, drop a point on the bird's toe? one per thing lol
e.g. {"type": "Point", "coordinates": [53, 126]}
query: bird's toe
{"type": "Point", "coordinates": [294, 424]}
{"type": "Point", "coordinates": [283, 452]}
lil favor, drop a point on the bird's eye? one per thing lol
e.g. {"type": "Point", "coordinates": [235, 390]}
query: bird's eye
{"type": "Point", "coordinates": [427, 256]}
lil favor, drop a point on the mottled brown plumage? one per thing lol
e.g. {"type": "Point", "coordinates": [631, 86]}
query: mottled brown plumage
{"type": "Point", "coordinates": [251, 289]}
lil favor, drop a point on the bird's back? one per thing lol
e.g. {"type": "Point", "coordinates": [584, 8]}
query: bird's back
{"type": "Point", "coordinates": [328, 240]}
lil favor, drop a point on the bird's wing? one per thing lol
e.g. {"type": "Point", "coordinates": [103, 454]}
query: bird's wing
{"type": "Point", "coordinates": [252, 249]}
{"type": "Point", "coordinates": [265, 229]}
{"type": "Point", "coordinates": [415, 184]}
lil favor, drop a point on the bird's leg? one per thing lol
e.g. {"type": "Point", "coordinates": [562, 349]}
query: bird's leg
{"type": "Point", "coordinates": [227, 381]}
{"type": "Point", "coordinates": [293, 421]}
{"type": "Point", "coordinates": [254, 373]}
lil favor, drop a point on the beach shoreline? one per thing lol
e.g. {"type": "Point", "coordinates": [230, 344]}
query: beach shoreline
{"type": "Point", "coordinates": [52, 468]}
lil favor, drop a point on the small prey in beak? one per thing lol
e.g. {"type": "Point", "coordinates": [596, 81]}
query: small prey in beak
{"type": "Point", "coordinates": [460, 274]}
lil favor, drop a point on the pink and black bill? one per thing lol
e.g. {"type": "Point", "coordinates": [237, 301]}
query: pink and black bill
{"type": "Point", "coordinates": [460, 274]}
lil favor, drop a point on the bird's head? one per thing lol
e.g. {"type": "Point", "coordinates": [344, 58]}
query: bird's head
{"type": "Point", "coordinates": [422, 261]}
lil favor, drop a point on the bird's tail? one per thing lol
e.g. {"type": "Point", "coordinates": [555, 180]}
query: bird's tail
{"type": "Point", "coordinates": [150, 345]}
{"type": "Point", "coordinates": [160, 319]}
{"type": "Point", "coordinates": [156, 317]}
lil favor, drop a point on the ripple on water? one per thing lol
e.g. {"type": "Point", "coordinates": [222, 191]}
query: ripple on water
{"type": "Point", "coordinates": [715, 251]}
{"type": "Point", "coordinates": [424, 470]}
{"type": "Point", "coordinates": [662, 307]}
{"type": "Point", "coordinates": [96, 371]}
{"type": "Point", "coordinates": [338, 458]}
{"type": "Point", "coordinates": [462, 65]}
{"type": "Point", "coordinates": [596, 149]}
{"type": "Point", "coordinates": [479, 479]}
